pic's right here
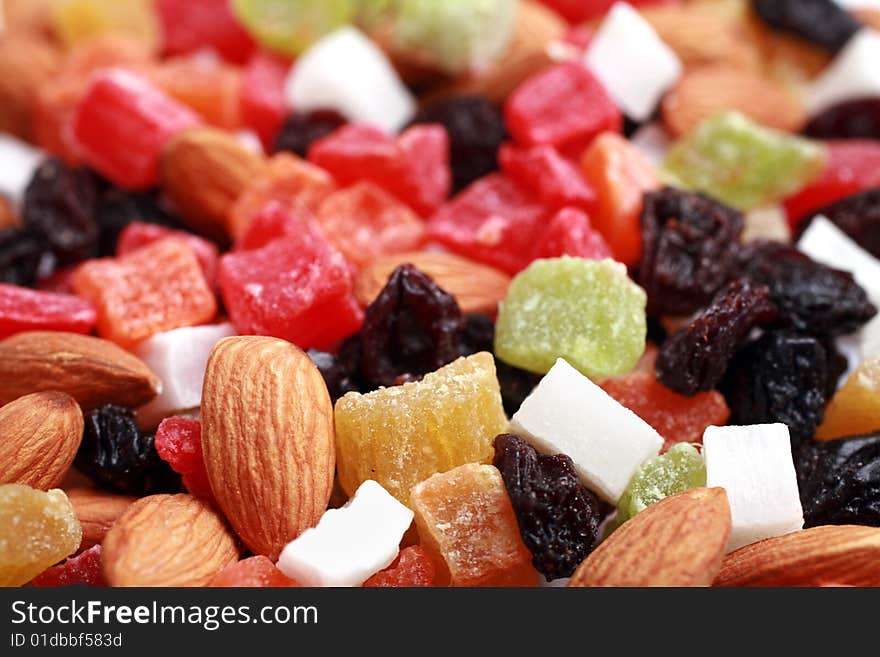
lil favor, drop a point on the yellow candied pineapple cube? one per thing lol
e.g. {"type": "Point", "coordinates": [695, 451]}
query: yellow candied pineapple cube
{"type": "Point", "coordinates": [855, 408]}
{"type": "Point", "coordinates": [78, 21]}
{"type": "Point", "coordinates": [402, 435]}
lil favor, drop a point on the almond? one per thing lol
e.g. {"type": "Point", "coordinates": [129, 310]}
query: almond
{"type": "Point", "coordinates": [869, 16]}
{"type": "Point", "coordinates": [39, 436]}
{"type": "Point", "coordinates": [167, 540]}
{"type": "Point", "coordinates": [477, 288]}
{"type": "Point", "coordinates": [27, 62]}
{"type": "Point", "coordinates": [96, 511]}
{"type": "Point", "coordinates": [268, 439]}
{"type": "Point", "coordinates": [679, 541]}
{"type": "Point", "coordinates": [91, 370]}
{"type": "Point", "coordinates": [203, 171]}
{"type": "Point", "coordinates": [707, 90]}
{"type": "Point", "coordinates": [839, 555]}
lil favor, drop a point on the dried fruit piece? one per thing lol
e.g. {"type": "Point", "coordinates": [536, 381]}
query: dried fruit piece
{"type": "Point", "coordinates": [139, 234]}
{"type": "Point", "coordinates": [20, 255]}
{"type": "Point", "coordinates": [209, 87]}
{"type": "Point", "coordinates": [569, 232]}
{"type": "Point", "coordinates": [22, 309]}
{"type": "Point", "coordinates": [855, 409]}
{"type": "Point", "coordinates": [341, 371]}
{"type": "Point", "coordinates": [290, 27]}
{"type": "Point", "coordinates": [554, 179]}
{"type": "Point", "coordinates": [27, 62]}
{"type": "Point", "coordinates": [258, 571]}
{"type": "Point", "coordinates": [263, 106]}
{"type": "Point", "coordinates": [859, 217]}
{"type": "Point", "coordinates": [78, 21]}
{"type": "Point", "coordinates": [412, 567]}
{"type": "Point", "coordinates": [118, 208]}
{"type": "Point", "coordinates": [469, 529]}
{"type": "Point", "coordinates": [301, 129]}
{"type": "Point", "coordinates": [84, 569]}
{"type": "Point", "coordinates": [192, 25]}
{"type": "Point", "coordinates": [96, 511]}
{"type": "Point", "coordinates": [178, 441]}
{"type": "Point", "coordinates": [822, 22]}
{"type": "Point", "coordinates": [849, 119]}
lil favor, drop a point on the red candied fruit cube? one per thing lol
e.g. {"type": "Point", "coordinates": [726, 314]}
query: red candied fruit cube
{"type": "Point", "coordinates": [83, 569]}
{"type": "Point", "coordinates": [208, 87]}
{"type": "Point", "coordinates": [24, 309]}
{"type": "Point", "coordinates": [414, 167]}
{"type": "Point", "coordinates": [365, 223]}
{"type": "Point", "coordinates": [59, 281]}
{"type": "Point", "coordinates": [192, 25]}
{"type": "Point", "coordinates": [852, 166]}
{"type": "Point", "coordinates": [179, 442]}
{"type": "Point", "coordinates": [412, 567]}
{"type": "Point", "coordinates": [254, 572]}
{"type": "Point", "coordinates": [578, 11]}
{"type": "Point", "coordinates": [564, 106]}
{"type": "Point", "coordinates": [569, 232]}
{"type": "Point", "coordinates": [276, 220]}
{"type": "Point", "coordinates": [298, 288]}
{"type": "Point", "coordinates": [122, 123]}
{"type": "Point", "coordinates": [263, 107]}
{"type": "Point", "coordinates": [140, 233]}
{"type": "Point", "coordinates": [493, 221]}
{"type": "Point", "coordinates": [157, 288]}
{"type": "Point", "coordinates": [553, 178]}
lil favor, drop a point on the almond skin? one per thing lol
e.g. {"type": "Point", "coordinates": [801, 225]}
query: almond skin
{"type": "Point", "coordinates": [679, 541]}
{"type": "Point", "coordinates": [91, 370]}
{"type": "Point", "coordinates": [836, 555]}
{"type": "Point", "coordinates": [268, 439]}
{"type": "Point", "coordinates": [96, 511]}
{"type": "Point", "coordinates": [39, 436]}
{"type": "Point", "coordinates": [167, 540]}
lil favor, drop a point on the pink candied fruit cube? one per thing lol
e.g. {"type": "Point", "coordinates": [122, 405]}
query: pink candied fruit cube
{"type": "Point", "coordinates": [263, 106]}
{"type": "Point", "coordinates": [553, 178]}
{"type": "Point", "coordinates": [140, 233]}
{"type": "Point", "coordinates": [276, 220]}
{"type": "Point", "coordinates": [193, 25]}
{"type": "Point", "coordinates": [569, 232]}
{"type": "Point", "coordinates": [24, 309]}
{"type": "Point", "coordinates": [179, 442]}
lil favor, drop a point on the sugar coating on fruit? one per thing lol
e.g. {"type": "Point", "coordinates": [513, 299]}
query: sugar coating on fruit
{"type": "Point", "coordinates": [588, 312]}
{"type": "Point", "coordinates": [351, 543]}
{"type": "Point", "coordinates": [402, 435]}
{"type": "Point", "coordinates": [347, 72]}
{"type": "Point", "coordinates": [855, 408]}
{"type": "Point", "coordinates": [852, 74]}
{"type": "Point", "coordinates": [20, 160]}
{"type": "Point", "coordinates": [633, 63]}
{"type": "Point", "coordinates": [741, 163]}
{"type": "Point", "coordinates": [754, 465]}
{"type": "Point", "coordinates": [37, 529]}
{"type": "Point", "coordinates": [569, 414]}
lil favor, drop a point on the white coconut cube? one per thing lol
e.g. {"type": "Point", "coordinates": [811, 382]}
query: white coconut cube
{"type": "Point", "coordinates": [347, 72]}
{"type": "Point", "coordinates": [854, 73]}
{"type": "Point", "coordinates": [351, 543]}
{"type": "Point", "coordinates": [632, 62]}
{"type": "Point", "coordinates": [826, 243]}
{"type": "Point", "coordinates": [19, 161]}
{"type": "Point", "coordinates": [179, 358]}
{"type": "Point", "coordinates": [859, 4]}
{"type": "Point", "coordinates": [569, 414]}
{"type": "Point", "coordinates": [754, 465]}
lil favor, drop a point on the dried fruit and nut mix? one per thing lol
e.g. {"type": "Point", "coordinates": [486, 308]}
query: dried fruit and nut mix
{"type": "Point", "coordinates": [430, 293]}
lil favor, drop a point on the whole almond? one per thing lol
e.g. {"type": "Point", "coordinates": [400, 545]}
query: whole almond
{"type": "Point", "coordinates": [840, 555]}
{"type": "Point", "coordinates": [27, 62]}
{"type": "Point", "coordinates": [91, 370]}
{"type": "Point", "coordinates": [679, 541]}
{"type": "Point", "coordinates": [39, 436]}
{"type": "Point", "coordinates": [477, 288]}
{"type": "Point", "coordinates": [268, 439]}
{"type": "Point", "coordinates": [96, 511]}
{"type": "Point", "coordinates": [167, 540]}
{"type": "Point", "coordinates": [203, 171]}
{"type": "Point", "coordinates": [708, 90]}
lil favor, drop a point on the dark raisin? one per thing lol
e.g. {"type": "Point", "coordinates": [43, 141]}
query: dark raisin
{"type": "Point", "coordinates": [858, 216]}
{"type": "Point", "coordinates": [301, 130]}
{"type": "Point", "coordinates": [477, 334]}
{"type": "Point", "coordinates": [689, 244]}
{"type": "Point", "coordinates": [117, 208]}
{"type": "Point", "coordinates": [558, 517]}
{"type": "Point", "coordinates": [822, 22]}
{"type": "Point", "coordinates": [412, 327]}
{"type": "Point", "coordinates": [20, 255]}
{"type": "Point", "coordinates": [836, 365]}
{"type": "Point", "coordinates": [476, 130]}
{"type": "Point", "coordinates": [59, 205]}
{"type": "Point", "coordinates": [117, 456]}
{"type": "Point", "coordinates": [851, 119]}
{"type": "Point", "coordinates": [340, 375]}
{"type": "Point", "coordinates": [839, 481]}
{"type": "Point", "coordinates": [782, 377]}
{"type": "Point", "coordinates": [809, 296]}
{"type": "Point", "coordinates": [695, 357]}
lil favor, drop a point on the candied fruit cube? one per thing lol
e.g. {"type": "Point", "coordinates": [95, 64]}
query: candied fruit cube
{"type": "Point", "coordinates": [82, 569]}
{"type": "Point", "coordinates": [79, 21]}
{"type": "Point", "coordinates": [569, 232]}
{"type": "Point", "coordinates": [467, 525]}
{"type": "Point", "coordinates": [258, 571]}
{"type": "Point", "coordinates": [276, 220]}
{"type": "Point", "coordinates": [401, 435]}
{"type": "Point", "coordinates": [23, 309]}
{"type": "Point", "coordinates": [193, 25]}
{"type": "Point", "coordinates": [289, 26]}
{"type": "Point", "coordinates": [153, 289]}
{"type": "Point", "coordinates": [855, 408]}
{"type": "Point", "coordinates": [553, 178]}
{"type": "Point", "coordinates": [179, 442]}
{"type": "Point", "coordinates": [140, 233]}
{"type": "Point", "coordinates": [263, 107]}
{"type": "Point", "coordinates": [37, 529]}
{"type": "Point", "coordinates": [412, 567]}
{"type": "Point", "coordinates": [210, 88]}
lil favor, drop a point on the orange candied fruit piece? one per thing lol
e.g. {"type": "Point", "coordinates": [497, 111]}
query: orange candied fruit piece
{"type": "Point", "coordinates": [677, 418]}
{"type": "Point", "coordinates": [288, 179]}
{"type": "Point", "coordinates": [208, 87]}
{"type": "Point", "coordinates": [256, 571]}
{"type": "Point", "coordinates": [466, 524]}
{"type": "Point", "coordinates": [153, 289]}
{"type": "Point", "coordinates": [412, 567]}
{"type": "Point", "coordinates": [855, 408]}
{"type": "Point", "coordinates": [366, 223]}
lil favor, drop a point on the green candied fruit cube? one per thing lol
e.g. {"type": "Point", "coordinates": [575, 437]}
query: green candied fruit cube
{"type": "Point", "coordinates": [678, 470]}
{"type": "Point", "coordinates": [588, 312]}
{"type": "Point", "coordinates": [291, 26]}
{"type": "Point", "coordinates": [741, 163]}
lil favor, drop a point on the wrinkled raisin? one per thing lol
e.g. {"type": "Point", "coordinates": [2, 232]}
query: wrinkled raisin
{"type": "Point", "coordinates": [476, 130]}
{"type": "Point", "coordinates": [477, 334]}
{"type": "Point", "coordinates": [412, 328]}
{"type": "Point", "coordinates": [59, 205]}
{"type": "Point", "coordinates": [809, 296]}
{"type": "Point", "coordinates": [851, 119]}
{"type": "Point", "coordinates": [835, 366]}
{"type": "Point", "coordinates": [839, 481]}
{"type": "Point", "coordinates": [117, 456]}
{"type": "Point", "coordinates": [695, 357]}
{"type": "Point", "coordinates": [341, 370]}
{"type": "Point", "coordinates": [301, 129]}
{"type": "Point", "coordinates": [822, 22]}
{"type": "Point", "coordinates": [689, 244]}
{"type": "Point", "coordinates": [782, 377]}
{"type": "Point", "coordinates": [20, 255]}
{"type": "Point", "coordinates": [858, 216]}
{"type": "Point", "coordinates": [117, 208]}
{"type": "Point", "coordinates": [558, 518]}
